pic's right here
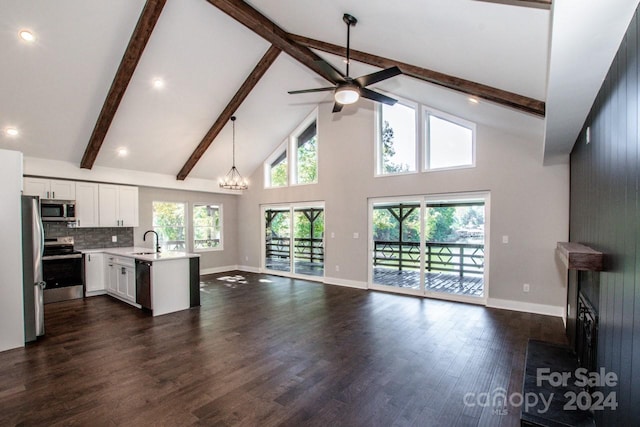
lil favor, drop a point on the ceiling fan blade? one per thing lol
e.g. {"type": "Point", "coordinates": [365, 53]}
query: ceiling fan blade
{"type": "Point", "coordinates": [375, 96]}
{"type": "Point", "coordinates": [336, 75]}
{"type": "Point", "coordinates": [378, 76]}
{"type": "Point", "coordinates": [320, 89]}
{"type": "Point", "coordinates": [337, 107]}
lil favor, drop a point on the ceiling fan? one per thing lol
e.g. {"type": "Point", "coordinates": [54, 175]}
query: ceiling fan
{"type": "Point", "coordinates": [347, 89]}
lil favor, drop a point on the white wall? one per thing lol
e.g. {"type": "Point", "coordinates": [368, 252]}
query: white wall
{"type": "Point", "coordinates": [11, 298]}
{"type": "Point", "coordinates": [210, 261]}
{"type": "Point", "coordinates": [529, 203]}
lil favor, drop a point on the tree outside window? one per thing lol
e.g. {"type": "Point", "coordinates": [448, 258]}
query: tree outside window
{"type": "Point", "coordinates": [278, 171]}
{"type": "Point", "coordinates": [397, 142]}
{"type": "Point", "coordinates": [307, 156]}
{"type": "Point", "coordinates": [207, 227]}
{"type": "Point", "coordinates": [169, 222]}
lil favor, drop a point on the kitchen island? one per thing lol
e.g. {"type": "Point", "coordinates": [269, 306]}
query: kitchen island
{"type": "Point", "coordinates": [163, 282]}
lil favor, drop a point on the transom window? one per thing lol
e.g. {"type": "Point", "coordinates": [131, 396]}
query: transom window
{"type": "Point", "coordinates": [446, 142]}
{"type": "Point", "coordinates": [207, 227]}
{"type": "Point", "coordinates": [396, 139]}
{"type": "Point", "coordinates": [449, 142]}
{"type": "Point", "coordinates": [169, 221]}
{"type": "Point", "coordinates": [278, 170]}
{"type": "Point", "coordinates": [307, 155]}
{"type": "Point", "coordinates": [301, 167]}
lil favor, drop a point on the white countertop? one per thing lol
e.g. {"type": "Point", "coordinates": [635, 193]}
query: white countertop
{"type": "Point", "coordinates": [137, 253]}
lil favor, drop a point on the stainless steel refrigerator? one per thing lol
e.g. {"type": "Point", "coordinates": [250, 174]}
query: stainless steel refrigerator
{"type": "Point", "coordinates": [32, 250]}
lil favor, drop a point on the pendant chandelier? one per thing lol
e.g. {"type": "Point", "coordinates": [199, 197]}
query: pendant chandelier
{"type": "Point", "coordinates": [233, 180]}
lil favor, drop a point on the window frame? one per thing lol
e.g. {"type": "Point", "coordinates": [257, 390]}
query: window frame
{"type": "Point", "coordinates": [426, 143]}
{"type": "Point", "coordinates": [293, 148]}
{"type": "Point", "coordinates": [282, 148]}
{"type": "Point", "coordinates": [289, 146]}
{"type": "Point", "coordinates": [185, 226]}
{"type": "Point", "coordinates": [378, 117]}
{"type": "Point", "coordinates": [220, 246]}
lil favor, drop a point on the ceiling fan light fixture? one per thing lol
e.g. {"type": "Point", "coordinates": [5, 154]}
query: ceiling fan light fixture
{"type": "Point", "coordinates": [347, 95]}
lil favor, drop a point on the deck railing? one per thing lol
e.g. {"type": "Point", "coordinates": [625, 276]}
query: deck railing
{"type": "Point", "coordinates": [461, 258]}
{"type": "Point", "coordinates": [308, 249]}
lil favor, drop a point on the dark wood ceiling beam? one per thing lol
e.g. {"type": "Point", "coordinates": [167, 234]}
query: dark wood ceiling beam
{"type": "Point", "coordinates": [141, 34]}
{"type": "Point", "coordinates": [536, 4]}
{"type": "Point", "coordinates": [260, 69]}
{"type": "Point", "coordinates": [261, 25]}
{"type": "Point", "coordinates": [502, 97]}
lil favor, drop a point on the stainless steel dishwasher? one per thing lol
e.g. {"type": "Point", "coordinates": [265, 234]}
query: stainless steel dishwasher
{"type": "Point", "coordinates": [143, 283]}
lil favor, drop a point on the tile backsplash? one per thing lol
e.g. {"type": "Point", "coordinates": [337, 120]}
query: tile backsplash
{"type": "Point", "coordinates": [89, 238]}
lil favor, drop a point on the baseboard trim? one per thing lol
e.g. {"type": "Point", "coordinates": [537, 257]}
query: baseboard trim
{"type": "Point", "coordinates": [215, 270]}
{"type": "Point", "coordinates": [248, 268]}
{"type": "Point", "coordinates": [528, 307]}
{"type": "Point", "coordinates": [94, 293]}
{"type": "Point", "coordinates": [345, 282]}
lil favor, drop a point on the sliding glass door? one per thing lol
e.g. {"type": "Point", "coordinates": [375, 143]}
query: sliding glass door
{"type": "Point", "coordinates": [294, 239]}
{"type": "Point", "coordinates": [433, 246]}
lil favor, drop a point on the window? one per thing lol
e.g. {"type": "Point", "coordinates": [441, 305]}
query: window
{"type": "Point", "coordinates": [278, 169]}
{"type": "Point", "coordinates": [281, 170]}
{"type": "Point", "coordinates": [207, 227]}
{"type": "Point", "coordinates": [449, 142]}
{"type": "Point", "coordinates": [169, 221]}
{"type": "Point", "coordinates": [307, 155]}
{"type": "Point", "coordinates": [396, 151]}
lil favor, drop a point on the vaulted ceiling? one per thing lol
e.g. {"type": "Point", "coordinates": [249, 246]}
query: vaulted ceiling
{"type": "Point", "coordinates": [53, 90]}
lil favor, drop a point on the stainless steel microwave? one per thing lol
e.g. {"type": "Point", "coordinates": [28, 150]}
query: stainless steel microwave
{"type": "Point", "coordinates": [58, 210]}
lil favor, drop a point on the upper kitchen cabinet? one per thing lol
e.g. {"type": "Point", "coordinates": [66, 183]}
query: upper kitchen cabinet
{"type": "Point", "coordinates": [87, 205]}
{"type": "Point", "coordinates": [50, 188]}
{"type": "Point", "coordinates": [118, 205]}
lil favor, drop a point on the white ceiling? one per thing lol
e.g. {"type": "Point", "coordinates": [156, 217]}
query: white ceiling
{"type": "Point", "coordinates": [53, 90]}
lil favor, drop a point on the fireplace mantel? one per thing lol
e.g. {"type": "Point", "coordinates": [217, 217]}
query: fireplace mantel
{"type": "Point", "coordinates": [580, 257]}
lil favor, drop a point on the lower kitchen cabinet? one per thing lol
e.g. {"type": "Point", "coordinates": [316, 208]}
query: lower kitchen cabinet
{"type": "Point", "coordinates": [122, 278]}
{"type": "Point", "coordinates": [94, 274]}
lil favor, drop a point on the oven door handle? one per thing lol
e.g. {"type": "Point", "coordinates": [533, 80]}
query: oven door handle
{"type": "Point", "coordinates": [54, 257]}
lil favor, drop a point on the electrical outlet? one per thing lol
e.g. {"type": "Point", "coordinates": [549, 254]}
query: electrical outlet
{"type": "Point", "coordinates": [246, 258]}
{"type": "Point", "coordinates": [505, 239]}
{"type": "Point", "coordinates": [356, 235]}
{"type": "Point", "coordinates": [525, 287]}
{"type": "Point", "coordinates": [337, 268]}
{"type": "Point", "coordinates": [114, 239]}
{"type": "Point", "coordinates": [333, 235]}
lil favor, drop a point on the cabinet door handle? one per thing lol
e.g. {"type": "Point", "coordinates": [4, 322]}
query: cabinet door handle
{"type": "Point", "coordinates": [53, 194]}
{"type": "Point", "coordinates": [47, 194]}
{"type": "Point", "coordinates": [123, 270]}
{"type": "Point", "coordinates": [89, 256]}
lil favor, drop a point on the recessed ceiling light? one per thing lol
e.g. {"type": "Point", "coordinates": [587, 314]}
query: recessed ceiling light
{"type": "Point", "coordinates": [27, 35]}
{"type": "Point", "coordinates": [122, 152]}
{"type": "Point", "coordinates": [157, 83]}
{"type": "Point", "coordinates": [11, 131]}
{"type": "Point", "coordinates": [473, 100]}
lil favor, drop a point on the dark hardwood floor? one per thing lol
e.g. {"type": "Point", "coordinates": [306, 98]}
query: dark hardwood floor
{"type": "Point", "coordinates": [266, 350]}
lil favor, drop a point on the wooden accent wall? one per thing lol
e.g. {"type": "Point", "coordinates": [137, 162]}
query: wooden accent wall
{"type": "Point", "coordinates": [605, 214]}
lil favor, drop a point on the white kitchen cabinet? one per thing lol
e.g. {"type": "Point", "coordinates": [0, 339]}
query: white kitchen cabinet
{"type": "Point", "coordinates": [95, 275]}
{"type": "Point", "coordinates": [87, 204]}
{"type": "Point", "coordinates": [118, 205]}
{"type": "Point", "coordinates": [111, 275]}
{"type": "Point", "coordinates": [50, 188]}
{"type": "Point", "coordinates": [122, 278]}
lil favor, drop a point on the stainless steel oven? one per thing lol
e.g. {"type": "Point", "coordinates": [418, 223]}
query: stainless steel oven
{"type": "Point", "coordinates": [62, 270]}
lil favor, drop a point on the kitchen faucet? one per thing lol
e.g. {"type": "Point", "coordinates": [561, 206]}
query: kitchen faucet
{"type": "Point", "coordinates": [144, 238]}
